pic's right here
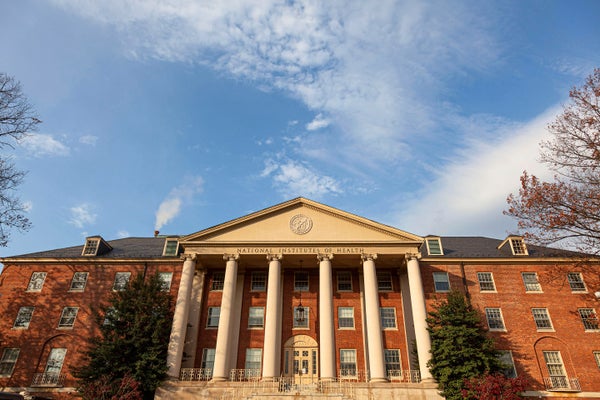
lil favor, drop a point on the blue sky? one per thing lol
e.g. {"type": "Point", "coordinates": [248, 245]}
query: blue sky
{"type": "Point", "coordinates": [183, 114]}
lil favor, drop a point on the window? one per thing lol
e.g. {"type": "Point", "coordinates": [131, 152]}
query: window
{"type": "Point", "coordinates": [576, 282]}
{"type": "Point", "coordinates": [23, 317]}
{"type": "Point", "coordinates": [213, 317]}
{"type": "Point", "coordinates": [218, 281]}
{"type": "Point", "coordinates": [541, 318]}
{"type": "Point", "coordinates": [8, 361]}
{"type": "Point", "coordinates": [392, 363]}
{"type": "Point", "coordinates": [121, 280]}
{"type": "Point", "coordinates": [256, 317]}
{"type": "Point", "coordinates": [597, 358]}
{"type": "Point", "coordinates": [589, 319]}
{"type": "Point", "coordinates": [91, 247]}
{"type": "Point", "coordinates": [208, 359]}
{"type": "Point", "coordinates": [486, 282]}
{"type": "Point", "coordinates": [346, 317]}
{"type": "Point", "coordinates": [531, 282]}
{"type": "Point", "coordinates": [558, 377]}
{"type": "Point", "coordinates": [387, 316]}
{"type": "Point", "coordinates": [36, 282]}
{"type": "Point", "coordinates": [347, 362]}
{"type": "Point", "coordinates": [344, 281]}
{"type": "Point", "coordinates": [258, 282]}
{"type": "Point", "coordinates": [165, 279]}
{"type": "Point", "coordinates": [253, 361]}
{"type": "Point", "coordinates": [301, 281]}
{"type": "Point", "coordinates": [384, 281]}
{"type": "Point", "coordinates": [67, 318]}
{"type": "Point", "coordinates": [494, 319]}
{"type": "Point", "coordinates": [301, 322]}
{"type": "Point", "coordinates": [110, 316]}
{"type": "Point", "coordinates": [79, 281]}
{"type": "Point", "coordinates": [508, 363]}
{"type": "Point", "coordinates": [441, 282]}
{"type": "Point", "coordinates": [434, 247]}
{"type": "Point", "coordinates": [171, 247]}
{"type": "Point", "coordinates": [518, 247]}
{"type": "Point", "coordinates": [55, 363]}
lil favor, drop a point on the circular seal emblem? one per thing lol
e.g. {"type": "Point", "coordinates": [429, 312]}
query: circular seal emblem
{"type": "Point", "coordinates": [300, 224]}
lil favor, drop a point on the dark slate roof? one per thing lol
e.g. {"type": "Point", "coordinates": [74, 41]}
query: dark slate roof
{"type": "Point", "coordinates": [483, 247]}
{"type": "Point", "coordinates": [135, 247]}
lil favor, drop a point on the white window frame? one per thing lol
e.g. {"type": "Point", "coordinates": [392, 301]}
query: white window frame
{"type": "Point", "coordinates": [597, 357]}
{"type": "Point", "coordinates": [56, 360]}
{"type": "Point", "coordinates": [556, 369]}
{"type": "Point", "coordinates": [344, 278]}
{"type": "Point", "coordinates": [256, 321]}
{"type": "Point", "coordinates": [576, 282]}
{"type": "Point", "coordinates": [253, 363]}
{"type": "Point", "coordinates": [218, 281]}
{"type": "Point", "coordinates": [68, 317]}
{"type": "Point", "coordinates": [169, 250]}
{"type": "Point", "coordinates": [517, 246]}
{"type": "Point", "coordinates": [301, 324]}
{"type": "Point", "coordinates": [121, 280]}
{"type": "Point", "coordinates": [531, 282]}
{"type": "Point", "coordinates": [393, 363]}
{"type": "Point", "coordinates": [349, 317]}
{"type": "Point", "coordinates": [385, 283]}
{"type": "Point", "coordinates": [486, 282]}
{"type": "Point", "coordinates": [507, 359]}
{"type": "Point", "coordinates": [36, 282]}
{"type": "Point", "coordinates": [24, 316]}
{"type": "Point", "coordinates": [494, 314]}
{"type": "Point", "coordinates": [541, 317]}
{"type": "Point", "coordinates": [208, 359]}
{"type": "Point", "coordinates": [258, 281]}
{"type": "Point", "coordinates": [348, 364]}
{"type": "Point", "coordinates": [91, 247]}
{"type": "Point", "coordinates": [434, 250]}
{"type": "Point", "coordinates": [441, 278]}
{"type": "Point", "coordinates": [589, 318]}
{"type": "Point", "coordinates": [300, 284]}
{"type": "Point", "coordinates": [213, 317]}
{"type": "Point", "coordinates": [79, 281]}
{"type": "Point", "coordinates": [166, 279]}
{"type": "Point", "coordinates": [385, 319]}
{"type": "Point", "coordinates": [9, 359]}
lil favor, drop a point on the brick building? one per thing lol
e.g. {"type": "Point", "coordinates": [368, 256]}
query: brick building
{"type": "Point", "coordinates": [302, 297]}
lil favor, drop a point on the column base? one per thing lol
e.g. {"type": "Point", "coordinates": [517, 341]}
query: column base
{"type": "Point", "coordinates": [378, 380]}
{"type": "Point", "coordinates": [268, 379]}
{"type": "Point", "coordinates": [218, 379]}
{"type": "Point", "coordinates": [327, 379]}
{"type": "Point", "coordinates": [428, 380]}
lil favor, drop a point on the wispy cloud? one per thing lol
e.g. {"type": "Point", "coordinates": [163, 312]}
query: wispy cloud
{"type": "Point", "coordinates": [82, 215]}
{"type": "Point", "coordinates": [177, 197]}
{"type": "Point", "coordinates": [318, 123]}
{"type": "Point", "coordinates": [41, 145]}
{"type": "Point", "coordinates": [90, 140]}
{"type": "Point", "coordinates": [123, 234]}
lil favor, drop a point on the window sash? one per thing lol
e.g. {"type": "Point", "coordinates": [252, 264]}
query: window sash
{"type": "Point", "coordinates": [121, 280]}
{"type": "Point", "coordinates": [506, 358]}
{"type": "Point", "coordinates": [36, 282]}
{"type": "Point", "coordinates": [208, 359]}
{"type": "Point", "coordinates": [8, 361]}
{"type": "Point", "coordinates": [494, 318]}
{"type": "Point", "coordinates": [434, 247]}
{"type": "Point", "coordinates": [388, 317]}
{"type": "Point", "coordinates": [392, 360]}
{"type": "Point", "coordinates": [344, 281]}
{"type": "Point", "coordinates": [165, 280]}
{"type": "Point", "coordinates": [348, 362]}
{"type": "Point", "coordinates": [256, 317]}
{"type": "Point", "coordinates": [346, 317]}
{"type": "Point", "coordinates": [531, 282]}
{"type": "Point", "coordinates": [171, 246]}
{"type": "Point", "coordinates": [301, 283]}
{"type": "Point", "coordinates": [576, 282]}
{"type": "Point", "coordinates": [384, 281]}
{"type": "Point", "coordinates": [253, 359]}
{"type": "Point", "coordinates": [301, 324]}
{"type": "Point", "coordinates": [23, 317]}
{"type": "Point", "coordinates": [258, 281]}
{"type": "Point", "coordinates": [589, 319]}
{"type": "Point", "coordinates": [441, 282]}
{"type": "Point", "coordinates": [541, 318]}
{"type": "Point", "coordinates": [68, 316]}
{"type": "Point", "coordinates": [214, 313]}
{"type": "Point", "coordinates": [56, 358]}
{"type": "Point", "coordinates": [486, 281]}
{"type": "Point", "coordinates": [79, 281]}
{"type": "Point", "coordinates": [218, 281]}
{"type": "Point", "coordinates": [91, 247]}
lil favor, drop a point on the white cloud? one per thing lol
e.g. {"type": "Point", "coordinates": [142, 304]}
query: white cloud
{"type": "Point", "coordinates": [90, 140]}
{"type": "Point", "coordinates": [27, 206]}
{"type": "Point", "coordinates": [318, 123]}
{"type": "Point", "coordinates": [178, 196]}
{"type": "Point", "coordinates": [82, 215]}
{"type": "Point", "coordinates": [123, 234]}
{"type": "Point", "coordinates": [468, 194]}
{"type": "Point", "coordinates": [40, 145]}
{"type": "Point", "coordinates": [294, 179]}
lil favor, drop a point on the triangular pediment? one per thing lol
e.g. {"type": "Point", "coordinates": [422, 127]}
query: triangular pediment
{"type": "Point", "coordinates": [301, 221]}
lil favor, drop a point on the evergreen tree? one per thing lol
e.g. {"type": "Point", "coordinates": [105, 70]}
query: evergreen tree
{"type": "Point", "coordinates": [460, 347]}
{"type": "Point", "coordinates": [133, 342]}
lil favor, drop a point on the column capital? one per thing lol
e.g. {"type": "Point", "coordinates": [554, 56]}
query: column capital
{"type": "Point", "coordinates": [231, 257]}
{"type": "Point", "coordinates": [189, 257]}
{"type": "Point", "coordinates": [324, 256]}
{"type": "Point", "coordinates": [412, 256]}
{"type": "Point", "coordinates": [368, 257]}
{"type": "Point", "coordinates": [274, 257]}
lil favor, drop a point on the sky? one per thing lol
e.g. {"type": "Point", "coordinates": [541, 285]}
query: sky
{"type": "Point", "coordinates": [178, 115]}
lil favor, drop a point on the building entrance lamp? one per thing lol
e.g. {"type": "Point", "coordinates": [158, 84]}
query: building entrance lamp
{"type": "Point", "coordinates": [300, 314]}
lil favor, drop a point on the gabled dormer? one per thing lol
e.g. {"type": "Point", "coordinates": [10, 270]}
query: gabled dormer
{"type": "Point", "coordinates": [434, 246]}
{"type": "Point", "coordinates": [171, 246]}
{"type": "Point", "coordinates": [516, 244]}
{"type": "Point", "coordinates": [95, 246]}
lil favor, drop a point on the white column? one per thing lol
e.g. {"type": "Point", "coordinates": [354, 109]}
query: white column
{"type": "Point", "coordinates": [374, 336]}
{"type": "Point", "coordinates": [272, 343]}
{"type": "Point", "coordinates": [180, 316]}
{"type": "Point", "coordinates": [193, 324]}
{"type": "Point", "coordinates": [419, 312]}
{"type": "Point", "coordinates": [221, 367]}
{"type": "Point", "coordinates": [326, 328]}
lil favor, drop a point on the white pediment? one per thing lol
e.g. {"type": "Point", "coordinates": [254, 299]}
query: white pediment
{"type": "Point", "coordinates": [301, 221]}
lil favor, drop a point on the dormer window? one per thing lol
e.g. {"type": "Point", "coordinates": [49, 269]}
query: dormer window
{"type": "Point", "coordinates": [171, 247]}
{"type": "Point", "coordinates": [95, 246]}
{"type": "Point", "coordinates": [434, 246]}
{"type": "Point", "coordinates": [517, 245]}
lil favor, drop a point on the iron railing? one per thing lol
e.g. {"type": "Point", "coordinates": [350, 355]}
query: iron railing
{"type": "Point", "coordinates": [48, 379]}
{"type": "Point", "coordinates": [562, 384]}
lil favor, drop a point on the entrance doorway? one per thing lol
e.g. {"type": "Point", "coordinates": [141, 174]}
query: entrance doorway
{"type": "Point", "coordinates": [301, 360]}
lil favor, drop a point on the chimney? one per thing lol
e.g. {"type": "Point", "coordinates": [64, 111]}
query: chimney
{"type": "Point", "coordinates": [156, 233]}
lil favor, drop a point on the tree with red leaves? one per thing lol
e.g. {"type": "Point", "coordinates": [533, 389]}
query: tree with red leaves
{"type": "Point", "coordinates": [494, 387]}
{"type": "Point", "coordinates": [567, 209]}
